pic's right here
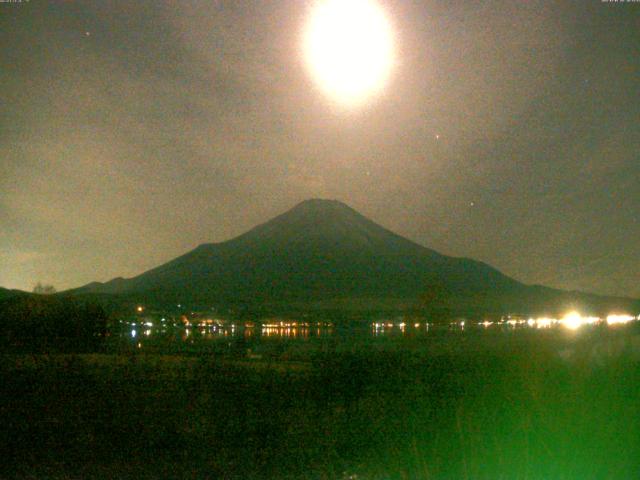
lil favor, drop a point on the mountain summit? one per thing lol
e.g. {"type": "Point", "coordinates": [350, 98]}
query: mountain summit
{"type": "Point", "coordinates": [330, 223]}
{"type": "Point", "coordinates": [323, 254]}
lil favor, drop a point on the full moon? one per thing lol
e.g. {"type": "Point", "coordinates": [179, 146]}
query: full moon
{"type": "Point", "coordinates": [348, 46]}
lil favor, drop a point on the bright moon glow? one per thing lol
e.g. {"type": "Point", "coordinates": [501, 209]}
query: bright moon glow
{"type": "Point", "coordinates": [349, 48]}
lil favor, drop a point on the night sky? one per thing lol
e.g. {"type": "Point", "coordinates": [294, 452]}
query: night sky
{"type": "Point", "coordinates": [132, 131]}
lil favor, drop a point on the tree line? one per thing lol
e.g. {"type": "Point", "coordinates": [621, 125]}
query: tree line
{"type": "Point", "coordinates": [37, 323]}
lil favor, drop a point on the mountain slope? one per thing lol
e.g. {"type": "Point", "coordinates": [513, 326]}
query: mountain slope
{"type": "Point", "coordinates": [6, 293]}
{"type": "Point", "coordinates": [323, 253]}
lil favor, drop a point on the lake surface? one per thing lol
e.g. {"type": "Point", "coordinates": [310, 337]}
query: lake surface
{"type": "Point", "coordinates": [290, 339]}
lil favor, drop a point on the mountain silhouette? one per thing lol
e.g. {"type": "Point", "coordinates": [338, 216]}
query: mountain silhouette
{"type": "Point", "coordinates": [323, 254]}
{"type": "Point", "coordinates": [6, 293]}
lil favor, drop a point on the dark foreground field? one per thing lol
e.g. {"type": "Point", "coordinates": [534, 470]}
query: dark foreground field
{"type": "Point", "coordinates": [533, 410]}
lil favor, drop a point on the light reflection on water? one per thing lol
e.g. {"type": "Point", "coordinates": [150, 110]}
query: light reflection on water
{"type": "Point", "coordinates": [254, 333]}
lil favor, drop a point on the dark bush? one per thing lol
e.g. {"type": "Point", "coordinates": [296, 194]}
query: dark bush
{"type": "Point", "coordinates": [51, 324]}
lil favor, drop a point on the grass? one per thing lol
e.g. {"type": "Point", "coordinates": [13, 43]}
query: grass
{"type": "Point", "coordinates": [528, 407]}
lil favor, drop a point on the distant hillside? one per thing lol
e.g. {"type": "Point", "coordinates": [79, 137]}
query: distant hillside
{"type": "Point", "coordinates": [6, 293]}
{"type": "Point", "coordinates": [322, 254]}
